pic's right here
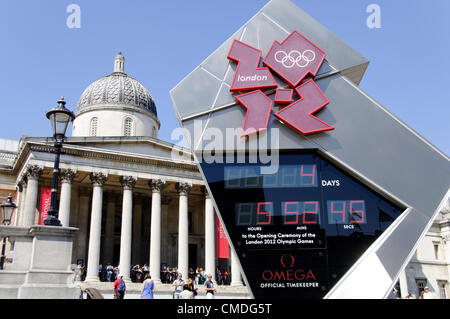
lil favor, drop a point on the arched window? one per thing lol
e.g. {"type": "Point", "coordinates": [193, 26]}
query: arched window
{"type": "Point", "coordinates": [94, 126]}
{"type": "Point", "coordinates": [128, 126]}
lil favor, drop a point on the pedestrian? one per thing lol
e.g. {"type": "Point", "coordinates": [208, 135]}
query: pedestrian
{"type": "Point", "coordinates": [164, 275]}
{"type": "Point", "coordinates": [116, 272]}
{"type": "Point", "coordinates": [218, 276]}
{"type": "Point", "coordinates": [395, 294]}
{"type": "Point", "coordinates": [79, 272]}
{"type": "Point", "coordinates": [138, 273]}
{"type": "Point", "coordinates": [202, 278]}
{"type": "Point", "coordinates": [426, 294]}
{"type": "Point", "coordinates": [410, 296]}
{"type": "Point", "coordinates": [179, 286]}
{"type": "Point", "coordinates": [100, 272]}
{"type": "Point", "coordinates": [145, 270]}
{"type": "Point", "coordinates": [191, 287]}
{"type": "Point", "coordinates": [209, 287]}
{"type": "Point", "coordinates": [119, 287]}
{"type": "Point", "coordinates": [197, 275]}
{"type": "Point", "coordinates": [109, 272]}
{"type": "Point", "coordinates": [174, 273]}
{"type": "Point", "coordinates": [225, 277]}
{"type": "Point", "coordinates": [147, 287]}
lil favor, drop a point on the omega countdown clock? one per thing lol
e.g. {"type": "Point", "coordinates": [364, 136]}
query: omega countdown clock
{"type": "Point", "coordinates": [321, 191]}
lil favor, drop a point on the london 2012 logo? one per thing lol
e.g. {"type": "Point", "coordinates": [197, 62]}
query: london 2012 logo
{"type": "Point", "coordinates": [292, 60]}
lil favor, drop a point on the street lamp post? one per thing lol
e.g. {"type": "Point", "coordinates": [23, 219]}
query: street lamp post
{"type": "Point", "coordinates": [7, 211]}
{"type": "Point", "coordinates": [59, 117]}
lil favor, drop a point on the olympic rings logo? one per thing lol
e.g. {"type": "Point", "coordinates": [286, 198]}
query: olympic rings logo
{"type": "Point", "coordinates": [295, 58]}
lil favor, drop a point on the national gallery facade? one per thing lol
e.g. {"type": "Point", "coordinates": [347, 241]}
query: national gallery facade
{"type": "Point", "coordinates": [134, 198]}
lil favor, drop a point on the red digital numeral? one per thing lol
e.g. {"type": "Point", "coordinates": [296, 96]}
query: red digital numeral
{"type": "Point", "coordinates": [268, 214]}
{"type": "Point", "coordinates": [339, 211]}
{"type": "Point", "coordinates": [314, 212]}
{"type": "Point", "coordinates": [312, 175]}
{"type": "Point", "coordinates": [290, 213]}
{"type": "Point", "coordinates": [354, 211]}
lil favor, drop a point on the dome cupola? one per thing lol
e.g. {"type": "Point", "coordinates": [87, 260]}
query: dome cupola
{"type": "Point", "coordinates": [116, 105]}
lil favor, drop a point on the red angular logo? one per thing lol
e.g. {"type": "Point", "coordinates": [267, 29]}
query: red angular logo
{"type": "Point", "coordinates": [248, 75]}
{"type": "Point", "coordinates": [299, 115]}
{"type": "Point", "coordinates": [292, 60]}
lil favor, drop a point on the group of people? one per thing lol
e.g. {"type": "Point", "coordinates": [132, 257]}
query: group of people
{"type": "Point", "coordinates": [424, 294]}
{"type": "Point", "coordinates": [187, 290]}
{"type": "Point", "coordinates": [182, 289]}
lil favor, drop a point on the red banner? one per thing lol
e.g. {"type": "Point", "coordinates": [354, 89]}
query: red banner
{"type": "Point", "coordinates": [44, 204]}
{"type": "Point", "coordinates": [221, 241]}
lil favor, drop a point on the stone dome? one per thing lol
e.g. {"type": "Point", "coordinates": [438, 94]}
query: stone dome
{"type": "Point", "coordinates": [117, 89]}
{"type": "Point", "coordinates": [116, 105]}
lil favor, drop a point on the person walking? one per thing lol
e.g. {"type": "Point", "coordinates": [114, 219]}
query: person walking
{"type": "Point", "coordinates": [119, 287]}
{"type": "Point", "coordinates": [179, 286]}
{"type": "Point", "coordinates": [147, 287]}
{"type": "Point", "coordinates": [209, 287]}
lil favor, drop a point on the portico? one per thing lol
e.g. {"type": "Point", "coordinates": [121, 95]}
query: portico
{"type": "Point", "coordinates": [129, 209]}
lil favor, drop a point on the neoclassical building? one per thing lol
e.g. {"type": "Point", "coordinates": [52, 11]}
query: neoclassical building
{"type": "Point", "coordinates": [134, 198]}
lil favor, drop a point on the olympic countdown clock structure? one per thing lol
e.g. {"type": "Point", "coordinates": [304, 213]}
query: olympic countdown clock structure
{"type": "Point", "coordinates": [349, 191]}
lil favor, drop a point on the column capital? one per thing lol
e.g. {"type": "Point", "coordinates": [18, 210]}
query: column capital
{"type": "Point", "coordinates": [204, 191]}
{"type": "Point", "coordinates": [183, 188]}
{"type": "Point", "coordinates": [67, 175]}
{"type": "Point", "coordinates": [98, 178]}
{"type": "Point", "coordinates": [156, 185]}
{"type": "Point", "coordinates": [20, 186]}
{"type": "Point", "coordinates": [33, 172]}
{"type": "Point", "coordinates": [128, 182]}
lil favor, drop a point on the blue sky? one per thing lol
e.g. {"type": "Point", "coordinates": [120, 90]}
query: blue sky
{"type": "Point", "coordinates": [163, 41]}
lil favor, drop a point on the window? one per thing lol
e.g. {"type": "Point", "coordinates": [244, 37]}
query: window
{"type": "Point", "coordinates": [94, 126]}
{"type": "Point", "coordinates": [436, 250]}
{"type": "Point", "coordinates": [128, 126]}
{"type": "Point", "coordinates": [154, 131]}
{"type": "Point", "coordinates": [442, 289]}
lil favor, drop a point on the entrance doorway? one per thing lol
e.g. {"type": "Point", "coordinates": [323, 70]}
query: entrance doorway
{"type": "Point", "coordinates": [193, 256]}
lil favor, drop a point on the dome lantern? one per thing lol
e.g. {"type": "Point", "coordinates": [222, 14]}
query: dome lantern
{"type": "Point", "coordinates": [119, 63]}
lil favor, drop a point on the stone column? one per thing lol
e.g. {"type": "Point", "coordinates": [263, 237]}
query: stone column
{"type": "Point", "coordinates": [33, 173]}
{"type": "Point", "coordinates": [67, 176]}
{"type": "Point", "coordinates": [155, 232]}
{"type": "Point", "coordinates": [98, 180]}
{"type": "Point", "coordinates": [210, 236]}
{"type": "Point", "coordinates": [126, 233]}
{"type": "Point", "coordinates": [109, 228]}
{"type": "Point", "coordinates": [183, 228]}
{"type": "Point", "coordinates": [236, 279]}
{"type": "Point", "coordinates": [23, 182]}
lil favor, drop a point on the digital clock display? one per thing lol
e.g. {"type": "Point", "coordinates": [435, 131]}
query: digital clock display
{"type": "Point", "coordinates": [299, 230]}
